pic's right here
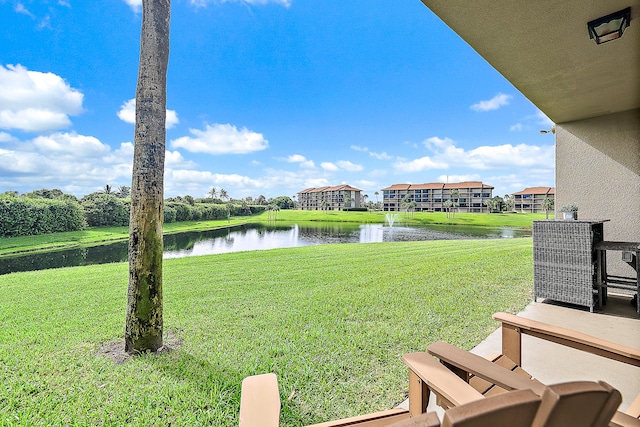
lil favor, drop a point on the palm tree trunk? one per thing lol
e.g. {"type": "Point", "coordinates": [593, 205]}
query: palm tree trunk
{"type": "Point", "coordinates": [144, 322]}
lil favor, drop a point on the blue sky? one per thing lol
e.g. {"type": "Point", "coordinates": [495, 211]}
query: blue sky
{"type": "Point", "coordinates": [264, 97]}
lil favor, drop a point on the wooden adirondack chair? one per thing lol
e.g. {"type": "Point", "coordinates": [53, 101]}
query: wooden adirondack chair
{"type": "Point", "coordinates": [581, 403]}
{"type": "Point", "coordinates": [584, 403]}
{"type": "Point", "coordinates": [504, 372]}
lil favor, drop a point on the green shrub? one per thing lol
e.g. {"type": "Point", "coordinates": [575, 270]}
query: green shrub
{"type": "Point", "coordinates": [26, 216]}
{"type": "Point", "coordinates": [102, 209]}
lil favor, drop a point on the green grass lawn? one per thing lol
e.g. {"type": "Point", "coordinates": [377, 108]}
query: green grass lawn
{"type": "Point", "coordinates": [331, 321]}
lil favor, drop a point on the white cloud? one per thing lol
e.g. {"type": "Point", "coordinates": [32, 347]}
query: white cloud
{"type": "Point", "coordinates": [13, 162]}
{"type": "Point", "coordinates": [348, 166]}
{"type": "Point", "coordinates": [435, 143]}
{"type": "Point", "coordinates": [507, 156]}
{"type": "Point", "coordinates": [329, 167]}
{"type": "Point", "coordinates": [174, 159]}
{"type": "Point", "coordinates": [358, 148]}
{"type": "Point", "coordinates": [494, 103]}
{"type": "Point", "coordinates": [20, 8]}
{"type": "Point", "coordinates": [381, 156]}
{"type": "Point", "coordinates": [446, 154]}
{"type": "Point", "coordinates": [5, 137]}
{"type": "Point", "coordinates": [516, 128]}
{"type": "Point", "coordinates": [418, 165]}
{"type": "Point", "coordinates": [135, 5]}
{"type": "Point", "coordinates": [70, 144]}
{"type": "Point", "coordinates": [222, 139]}
{"type": "Point", "coordinates": [32, 101]}
{"type": "Point", "coordinates": [127, 114]}
{"type": "Point", "coordinates": [296, 158]}
{"type": "Point", "coordinates": [459, 178]}
{"type": "Point", "coordinates": [205, 177]}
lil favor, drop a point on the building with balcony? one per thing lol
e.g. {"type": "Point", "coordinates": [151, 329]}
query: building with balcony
{"type": "Point", "coordinates": [431, 197]}
{"type": "Point", "coordinates": [329, 198]}
{"type": "Point", "coordinates": [530, 199]}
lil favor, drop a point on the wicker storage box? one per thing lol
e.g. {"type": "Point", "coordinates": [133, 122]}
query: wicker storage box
{"type": "Point", "coordinates": [564, 260]}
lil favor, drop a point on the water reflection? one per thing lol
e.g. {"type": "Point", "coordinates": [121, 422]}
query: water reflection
{"type": "Point", "coordinates": [254, 237]}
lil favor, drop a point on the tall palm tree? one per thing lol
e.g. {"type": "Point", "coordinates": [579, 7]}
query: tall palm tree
{"type": "Point", "coordinates": [223, 194]}
{"type": "Point", "coordinates": [455, 195]}
{"type": "Point", "coordinates": [213, 193]}
{"type": "Point", "coordinates": [144, 321]}
{"type": "Point", "coordinates": [547, 205]}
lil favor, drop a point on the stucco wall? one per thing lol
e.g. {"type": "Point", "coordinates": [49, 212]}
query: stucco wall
{"type": "Point", "coordinates": [598, 168]}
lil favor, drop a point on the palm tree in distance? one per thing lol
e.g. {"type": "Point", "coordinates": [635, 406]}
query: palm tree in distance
{"type": "Point", "coordinates": [547, 205]}
{"type": "Point", "coordinates": [213, 193]}
{"type": "Point", "coordinates": [223, 194]}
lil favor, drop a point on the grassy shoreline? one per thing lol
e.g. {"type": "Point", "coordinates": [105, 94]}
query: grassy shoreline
{"type": "Point", "coordinates": [103, 235]}
{"type": "Point", "coordinates": [332, 321]}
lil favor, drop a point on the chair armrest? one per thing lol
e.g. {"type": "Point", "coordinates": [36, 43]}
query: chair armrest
{"type": "Point", "coordinates": [260, 401]}
{"type": "Point", "coordinates": [441, 380]}
{"type": "Point", "coordinates": [620, 419]}
{"type": "Point", "coordinates": [571, 338]}
{"type": "Point", "coordinates": [634, 408]}
{"type": "Point", "coordinates": [482, 368]}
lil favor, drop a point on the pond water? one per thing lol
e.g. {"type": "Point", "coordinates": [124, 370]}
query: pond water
{"type": "Point", "coordinates": [254, 237]}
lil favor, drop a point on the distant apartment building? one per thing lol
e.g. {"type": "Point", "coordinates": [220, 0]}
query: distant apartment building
{"type": "Point", "coordinates": [433, 196]}
{"type": "Point", "coordinates": [530, 199]}
{"type": "Point", "coordinates": [329, 198]}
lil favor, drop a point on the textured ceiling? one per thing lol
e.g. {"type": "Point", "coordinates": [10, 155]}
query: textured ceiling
{"type": "Point", "coordinates": [543, 48]}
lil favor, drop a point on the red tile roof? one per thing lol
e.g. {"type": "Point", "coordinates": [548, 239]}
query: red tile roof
{"type": "Point", "coordinates": [435, 185]}
{"type": "Point", "coordinates": [343, 187]}
{"type": "Point", "coordinates": [537, 190]}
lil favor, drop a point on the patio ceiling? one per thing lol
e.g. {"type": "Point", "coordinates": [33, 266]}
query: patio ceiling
{"type": "Point", "coordinates": [543, 48]}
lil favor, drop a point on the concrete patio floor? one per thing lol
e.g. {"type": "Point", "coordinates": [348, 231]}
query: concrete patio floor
{"type": "Point", "coordinates": [552, 363]}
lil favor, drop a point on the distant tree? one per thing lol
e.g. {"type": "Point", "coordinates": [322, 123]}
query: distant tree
{"type": "Point", "coordinates": [102, 209]}
{"type": "Point", "coordinates": [224, 195]}
{"type": "Point", "coordinates": [376, 194]}
{"type": "Point", "coordinates": [509, 202]}
{"type": "Point", "coordinates": [447, 205]}
{"type": "Point", "coordinates": [272, 212]}
{"type": "Point", "coordinates": [10, 193]}
{"type": "Point", "coordinates": [45, 194]}
{"type": "Point", "coordinates": [548, 205]}
{"type": "Point", "coordinates": [283, 202]}
{"type": "Point", "coordinates": [123, 191]}
{"type": "Point", "coordinates": [261, 200]}
{"type": "Point", "coordinates": [189, 199]}
{"type": "Point", "coordinates": [107, 189]}
{"type": "Point", "coordinates": [455, 196]}
{"type": "Point", "coordinates": [213, 193]}
{"type": "Point", "coordinates": [347, 201]}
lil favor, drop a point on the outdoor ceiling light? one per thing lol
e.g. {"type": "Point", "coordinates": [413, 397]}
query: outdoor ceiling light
{"type": "Point", "coordinates": [609, 27]}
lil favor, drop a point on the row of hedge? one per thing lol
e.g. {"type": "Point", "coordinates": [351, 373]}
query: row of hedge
{"type": "Point", "coordinates": [25, 216]}
{"type": "Point", "coordinates": [176, 211]}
